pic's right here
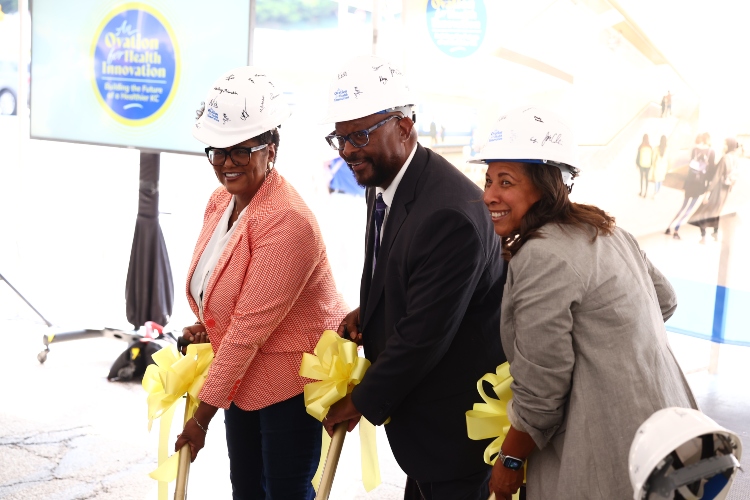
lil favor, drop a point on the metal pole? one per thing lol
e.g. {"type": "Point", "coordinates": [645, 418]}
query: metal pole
{"type": "Point", "coordinates": [251, 35]}
{"type": "Point", "coordinates": [375, 14]}
{"type": "Point", "coordinates": [46, 322]}
{"type": "Point", "coordinates": [728, 226]}
{"type": "Point", "coordinates": [22, 96]}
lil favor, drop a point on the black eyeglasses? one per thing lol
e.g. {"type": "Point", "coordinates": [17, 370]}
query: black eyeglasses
{"type": "Point", "coordinates": [240, 156]}
{"type": "Point", "coordinates": [358, 139]}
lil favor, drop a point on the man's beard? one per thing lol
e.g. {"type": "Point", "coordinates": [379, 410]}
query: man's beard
{"type": "Point", "coordinates": [378, 177]}
{"type": "Point", "coordinates": [381, 170]}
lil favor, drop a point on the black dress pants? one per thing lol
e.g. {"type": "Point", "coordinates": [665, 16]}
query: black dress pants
{"type": "Point", "coordinates": [273, 452]}
{"type": "Point", "coordinates": [474, 487]}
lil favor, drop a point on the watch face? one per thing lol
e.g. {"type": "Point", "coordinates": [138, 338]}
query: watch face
{"type": "Point", "coordinates": [512, 463]}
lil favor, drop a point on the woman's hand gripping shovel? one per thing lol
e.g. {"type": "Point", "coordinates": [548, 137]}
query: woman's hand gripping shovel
{"type": "Point", "coordinates": [171, 378]}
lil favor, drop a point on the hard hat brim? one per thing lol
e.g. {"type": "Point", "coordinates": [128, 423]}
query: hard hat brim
{"type": "Point", "coordinates": [209, 136]}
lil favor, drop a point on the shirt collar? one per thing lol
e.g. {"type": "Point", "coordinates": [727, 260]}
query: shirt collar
{"type": "Point", "coordinates": [390, 192]}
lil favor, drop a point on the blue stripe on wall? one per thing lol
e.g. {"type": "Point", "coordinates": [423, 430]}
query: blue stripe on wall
{"type": "Point", "coordinates": [711, 312]}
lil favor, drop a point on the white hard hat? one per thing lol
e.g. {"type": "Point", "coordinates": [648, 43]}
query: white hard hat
{"type": "Point", "coordinates": [242, 104]}
{"type": "Point", "coordinates": [682, 450]}
{"type": "Point", "coordinates": [364, 86]}
{"type": "Point", "coordinates": [532, 135]}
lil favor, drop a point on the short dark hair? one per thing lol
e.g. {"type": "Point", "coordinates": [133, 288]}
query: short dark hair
{"type": "Point", "coordinates": [270, 137]}
{"type": "Point", "coordinates": [554, 207]}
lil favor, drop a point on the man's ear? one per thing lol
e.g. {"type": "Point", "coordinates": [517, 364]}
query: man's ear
{"type": "Point", "coordinates": [406, 126]}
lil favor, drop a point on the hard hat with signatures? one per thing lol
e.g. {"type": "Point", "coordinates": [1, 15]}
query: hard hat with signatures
{"type": "Point", "coordinates": [532, 135]}
{"type": "Point", "coordinates": [364, 86]}
{"type": "Point", "coordinates": [241, 104]}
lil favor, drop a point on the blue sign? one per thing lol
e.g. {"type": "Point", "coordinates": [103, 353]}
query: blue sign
{"type": "Point", "coordinates": [136, 64]}
{"type": "Point", "coordinates": [457, 26]}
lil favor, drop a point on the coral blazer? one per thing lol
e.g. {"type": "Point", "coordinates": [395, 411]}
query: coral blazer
{"type": "Point", "coordinates": [268, 300]}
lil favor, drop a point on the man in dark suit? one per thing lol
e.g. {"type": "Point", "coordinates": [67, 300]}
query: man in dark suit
{"type": "Point", "coordinates": [430, 293]}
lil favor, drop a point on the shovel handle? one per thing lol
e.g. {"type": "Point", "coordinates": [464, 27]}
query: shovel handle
{"type": "Point", "coordinates": [183, 468]}
{"type": "Point", "coordinates": [332, 460]}
{"type": "Point", "coordinates": [180, 489]}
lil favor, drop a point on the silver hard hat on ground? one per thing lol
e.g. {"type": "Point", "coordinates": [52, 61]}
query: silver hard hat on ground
{"type": "Point", "coordinates": [680, 453]}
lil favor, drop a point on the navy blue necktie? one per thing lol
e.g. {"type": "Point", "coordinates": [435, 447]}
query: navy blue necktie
{"type": "Point", "coordinates": [380, 208]}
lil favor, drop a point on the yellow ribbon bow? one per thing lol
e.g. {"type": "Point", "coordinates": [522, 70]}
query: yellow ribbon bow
{"type": "Point", "coordinates": [490, 419]}
{"type": "Point", "coordinates": [166, 382]}
{"type": "Point", "coordinates": [339, 369]}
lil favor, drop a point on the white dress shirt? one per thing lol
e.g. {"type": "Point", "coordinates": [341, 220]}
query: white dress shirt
{"type": "Point", "coordinates": [389, 193]}
{"type": "Point", "coordinates": [211, 254]}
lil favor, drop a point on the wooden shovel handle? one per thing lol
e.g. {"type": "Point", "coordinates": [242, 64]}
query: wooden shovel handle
{"type": "Point", "coordinates": [180, 489]}
{"type": "Point", "coordinates": [332, 460]}
{"type": "Point", "coordinates": [183, 469]}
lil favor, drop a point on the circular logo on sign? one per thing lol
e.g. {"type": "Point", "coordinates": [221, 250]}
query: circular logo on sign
{"type": "Point", "coordinates": [136, 64]}
{"type": "Point", "coordinates": [457, 26]}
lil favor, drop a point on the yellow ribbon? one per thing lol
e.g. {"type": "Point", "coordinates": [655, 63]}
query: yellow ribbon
{"type": "Point", "coordinates": [166, 382]}
{"type": "Point", "coordinates": [490, 419]}
{"type": "Point", "coordinates": [338, 369]}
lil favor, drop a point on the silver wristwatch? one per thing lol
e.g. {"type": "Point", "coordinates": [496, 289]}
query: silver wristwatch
{"type": "Point", "coordinates": [509, 462]}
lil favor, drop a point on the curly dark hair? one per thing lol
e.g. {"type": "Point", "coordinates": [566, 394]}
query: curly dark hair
{"type": "Point", "coordinates": [270, 137]}
{"type": "Point", "coordinates": [554, 206]}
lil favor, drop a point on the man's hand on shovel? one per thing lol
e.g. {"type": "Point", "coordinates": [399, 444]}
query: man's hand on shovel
{"type": "Point", "coordinates": [341, 411]}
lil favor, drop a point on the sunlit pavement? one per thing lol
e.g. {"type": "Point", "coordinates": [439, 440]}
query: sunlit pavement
{"type": "Point", "coordinates": [67, 433]}
{"type": "Point", "coordinates": [68, 218]}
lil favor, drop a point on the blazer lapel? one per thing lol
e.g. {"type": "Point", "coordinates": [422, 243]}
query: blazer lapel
{"type": "Point", "coordinates": [206, 232]}
{"type": "Point", "coordinates": [225, 254]}
{"type": "Point", "coordinates": [254, 212]}
{"type": "Point", "coordinates": [397, 214]}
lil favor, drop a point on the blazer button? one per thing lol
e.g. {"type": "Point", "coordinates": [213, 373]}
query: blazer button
{"type": "Point", "coordinates": [210, 323]}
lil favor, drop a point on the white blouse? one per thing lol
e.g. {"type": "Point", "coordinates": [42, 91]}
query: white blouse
{"type": "Point", "coordinates": [211, 254]}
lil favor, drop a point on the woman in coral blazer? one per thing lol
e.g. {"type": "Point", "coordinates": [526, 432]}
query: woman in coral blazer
{"type": "Point", "coordinates": [262, 289]}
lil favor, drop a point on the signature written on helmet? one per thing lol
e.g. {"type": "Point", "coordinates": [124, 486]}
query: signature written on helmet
{"type": "Point", "coordinates": [552, 139]}
{"type": "Point", "coordinates": [340, 95]}
{"type": "Point", "coordinates": [223, 90]}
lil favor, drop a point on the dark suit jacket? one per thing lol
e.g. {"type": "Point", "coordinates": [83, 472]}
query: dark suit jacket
{"type": "Point", "coordinates": [429, 318]}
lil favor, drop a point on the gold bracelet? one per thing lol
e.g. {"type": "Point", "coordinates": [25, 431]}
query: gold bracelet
{"type": "Point", "coordinates": [204, 429]}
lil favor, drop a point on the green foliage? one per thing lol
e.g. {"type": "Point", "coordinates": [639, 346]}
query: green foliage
{"type": "Point", "coordinates": [297, 13]}
{"type": "Point", "coordinates": [9, 6]}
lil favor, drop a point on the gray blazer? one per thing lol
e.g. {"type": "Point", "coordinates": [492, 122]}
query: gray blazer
{"type": "Point", "coordinates": [582, 325]}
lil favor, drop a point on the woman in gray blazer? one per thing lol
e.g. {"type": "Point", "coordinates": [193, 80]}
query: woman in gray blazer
{"type": "Point", "coordinates": [582, 324]}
